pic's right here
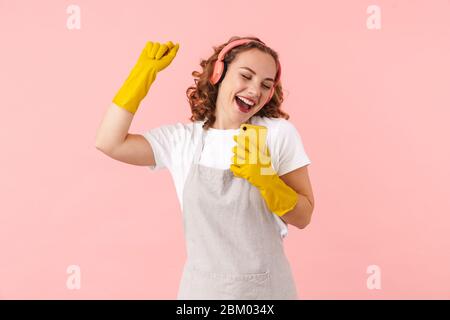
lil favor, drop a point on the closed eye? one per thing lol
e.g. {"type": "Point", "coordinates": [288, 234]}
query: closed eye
{"type": "Point", "coordinates": [248, 78]}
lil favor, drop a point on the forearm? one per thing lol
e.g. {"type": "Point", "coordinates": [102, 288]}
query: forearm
{"type": "Point", "coordinates": [300, 216]}
{"type": "Point", "coordinates": [114, 128]}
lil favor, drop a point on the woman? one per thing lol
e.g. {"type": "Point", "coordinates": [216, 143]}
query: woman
{"type": "Point", "coordinates": [234, 216]}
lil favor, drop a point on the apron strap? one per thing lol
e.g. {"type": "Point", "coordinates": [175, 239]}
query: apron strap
{"type": "Point", "coordinates": [199, 147]}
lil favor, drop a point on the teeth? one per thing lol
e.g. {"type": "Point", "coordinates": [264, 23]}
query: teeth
{"type": "Point", "coordinates": [242, 103]}
{"type": "Point", "coordinates": [249, 102]}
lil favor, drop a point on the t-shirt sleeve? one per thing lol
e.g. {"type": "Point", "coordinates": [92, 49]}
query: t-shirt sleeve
{"type": "Point", "coordinates": [163, 141]}
{"type": "Point", "coordinates": [291, 153]}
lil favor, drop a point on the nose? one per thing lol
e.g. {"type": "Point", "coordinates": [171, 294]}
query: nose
{"type": "Point", "coordinates": [253, 92]}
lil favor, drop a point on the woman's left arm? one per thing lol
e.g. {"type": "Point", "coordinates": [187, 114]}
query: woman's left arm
{"type": "Point", "coordinates": [298, 180]}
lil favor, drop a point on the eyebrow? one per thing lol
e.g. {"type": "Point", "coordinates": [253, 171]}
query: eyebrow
{"type": "Point", "coordinates": [270, 79]}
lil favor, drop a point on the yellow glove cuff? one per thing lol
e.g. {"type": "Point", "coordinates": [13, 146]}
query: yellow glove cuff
{"type": "Point", "coordinates": [279, 197]}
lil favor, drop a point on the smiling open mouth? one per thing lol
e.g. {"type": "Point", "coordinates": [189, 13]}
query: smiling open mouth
{"type": "Point", "coordinates": [243, 106]}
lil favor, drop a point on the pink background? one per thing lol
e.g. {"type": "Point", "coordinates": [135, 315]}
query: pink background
{"type": "Point", "coordinates": [372, 107]}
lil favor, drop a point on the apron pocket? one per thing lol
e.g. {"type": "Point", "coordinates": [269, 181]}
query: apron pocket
{"type": "Point", "coordinates": [208, 285]}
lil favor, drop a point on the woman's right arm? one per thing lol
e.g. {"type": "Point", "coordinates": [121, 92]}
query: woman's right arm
{"type": "Point", "coordinates": [114, 140]}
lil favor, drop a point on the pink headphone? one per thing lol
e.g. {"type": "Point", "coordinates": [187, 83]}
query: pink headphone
{"type": "Point", "coordinates": [219, 65]}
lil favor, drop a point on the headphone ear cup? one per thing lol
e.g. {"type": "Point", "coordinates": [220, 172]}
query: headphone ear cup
{"type": "Point", "coordinates": [217, 72]}
{"type": "Point", "coordinates": [223, 73]}
{"type": "Point", "coordinates": [220, 69]}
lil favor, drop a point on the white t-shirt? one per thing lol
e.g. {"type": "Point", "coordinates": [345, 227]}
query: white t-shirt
{"type": "Point", "coordinates": [174, 145]}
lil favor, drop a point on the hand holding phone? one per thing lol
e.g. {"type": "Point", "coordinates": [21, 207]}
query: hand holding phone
{"type": "Point", "coordinates": [251, 161]}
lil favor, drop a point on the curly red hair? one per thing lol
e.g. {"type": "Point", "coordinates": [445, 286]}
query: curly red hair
{"type": "Point", "coordinates": [202, 97]}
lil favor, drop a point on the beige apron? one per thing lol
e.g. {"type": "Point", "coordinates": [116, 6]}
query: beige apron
{"type": "Point", "coordinates": [234, 247]}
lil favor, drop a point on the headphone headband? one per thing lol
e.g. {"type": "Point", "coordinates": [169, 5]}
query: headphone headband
{"type": "Point", "coordinates": [218, 67]}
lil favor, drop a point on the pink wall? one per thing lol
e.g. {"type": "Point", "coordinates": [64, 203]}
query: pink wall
{"type": "Point", "coordinates": [372, 106]}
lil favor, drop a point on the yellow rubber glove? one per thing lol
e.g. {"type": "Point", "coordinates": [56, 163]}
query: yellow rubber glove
{"type": "Point", "coordinates": [251, 161]}
{"type": "Point", "coordinates": [154, 58]}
